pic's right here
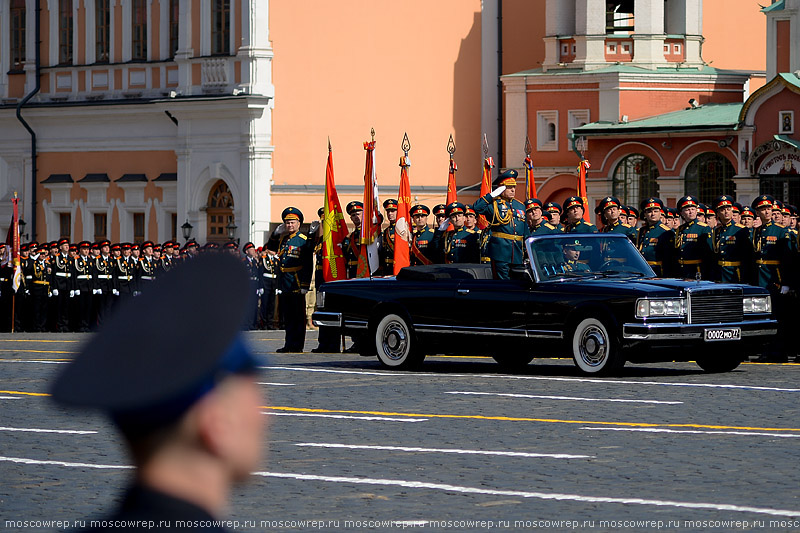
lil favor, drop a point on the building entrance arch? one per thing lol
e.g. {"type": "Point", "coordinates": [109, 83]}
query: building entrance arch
{"type": "Point", "coordinates": [219, 212]}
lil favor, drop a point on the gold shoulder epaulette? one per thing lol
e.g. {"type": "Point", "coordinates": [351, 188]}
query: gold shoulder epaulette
{"type": "Point", "coordinates": [739, 225]}
{"type": "Point", "coordinates": [303, 236]}
{"type": "Point", "coordinates": [702, 224]}
{"type": "Point", "coordinates": [549, 226]}
{"type": "Point", "coordinates": [664, 226]}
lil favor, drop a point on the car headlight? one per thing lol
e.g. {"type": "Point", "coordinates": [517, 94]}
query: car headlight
{"type": "Point", "coordinates": [757, 304]}
{"type": "Point", "coordinates": [662, 307]}
{"type": "Point", "coordinates": [320, 300]}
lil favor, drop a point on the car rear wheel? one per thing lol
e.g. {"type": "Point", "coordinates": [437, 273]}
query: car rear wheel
{"type": "Point", "coordinates": [395, 343]}
{"type": "Point", "coordinates": [512, 362]}
{"type": "Point", "coordinates": [594, 350]}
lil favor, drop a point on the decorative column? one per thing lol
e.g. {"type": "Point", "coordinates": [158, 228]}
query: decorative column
{"type": "Point", "coordinates": [255, 53]}
{"type": "Point", "coordinates": [590, 33]}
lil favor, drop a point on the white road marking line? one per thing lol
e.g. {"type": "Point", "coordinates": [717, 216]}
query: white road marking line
{"type": "Point", "coordinates": [540, 378]}
{"type": "Point", "coordinates": [540, 397]}
{"type": "Point", "coordinates": [34, 361]}
{"type": "Point", "coordinates": [536, 495]}
{"type": "Point", "coordinates": [276, 384]}
{"type": "Point", "coordinates": [9, 397]}
{"type": "Point", "coordinates": [658, 430]}
{"type": "Point", "coordinates": [35, 430]}
{"type": "Point", "coordinates": [23, 460]}
{"type": "Point", "coordinates": [350, 417]}
{"type": "Point", "coordinates": [456, 488]}
{"type": "Point", "coordinates": [444, 450]}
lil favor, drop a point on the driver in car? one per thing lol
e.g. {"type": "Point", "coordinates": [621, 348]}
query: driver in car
{"type": "Point", "coordinates": [572, 252]}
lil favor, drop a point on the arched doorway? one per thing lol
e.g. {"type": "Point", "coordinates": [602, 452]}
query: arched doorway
{"type": "Point", "coordinates": [635, 179]}
{"type": "Point", "coordinates": [709, 176]}
{"type": "Point", "coordinates": [219, 212]}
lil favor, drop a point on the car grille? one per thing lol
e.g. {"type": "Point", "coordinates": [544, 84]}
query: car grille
{"type": "Point", "coordinates": [715, 307]}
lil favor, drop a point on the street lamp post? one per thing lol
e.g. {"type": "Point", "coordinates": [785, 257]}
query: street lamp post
{"type": "Point", "coordinates": [231, 228]}
{"type": "Point", "coordinates": [186, 228]}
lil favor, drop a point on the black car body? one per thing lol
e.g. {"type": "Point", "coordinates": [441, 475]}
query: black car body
{"type": "Point", "coordinates": [605, 308]}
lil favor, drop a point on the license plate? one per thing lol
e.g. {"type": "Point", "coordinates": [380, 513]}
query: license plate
{"type": "Point", "coordinates": [723, 334]}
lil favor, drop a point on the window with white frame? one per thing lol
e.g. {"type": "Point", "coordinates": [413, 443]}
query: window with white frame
{"type": "Point", "coordinates": [676, 48]}
{"type": "Point", "coordinates": [577, 118]}
{"type": "Point", "coordinates": [611, 48]}
{"type": "Point", "coordinates": [564, 49]}
{"type": "Point", "coordinates": [626, 48]}
{"type": "Point", "coordinates": [666, 48]}
{"type": "Point", "coordinates": [547, 131]}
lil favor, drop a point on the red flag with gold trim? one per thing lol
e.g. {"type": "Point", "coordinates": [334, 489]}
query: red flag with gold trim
{"type": "Point", "coordinates": [530, 183]}
{"type": "Point", "coordinates": [583, 166]}
{"type": "Point", "coordinates": [334, 229]}
{"type": "Point", "coordinates": [402, 233]}
{"type": "Point", "coordinates": [486, 187]}
{"type": "Point", "coordinates": [368, 259]}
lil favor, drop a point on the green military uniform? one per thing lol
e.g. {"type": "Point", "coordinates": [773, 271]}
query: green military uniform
{"type": "Point", "coordinates": [732, 247]}
{"type": "Point", "coordinates": [459, 245]}
{"type": "Point", "coordinates": [580, 226]}
{"type": "Point", "coordinates": [351, 245]}
{"type": "Point", "coordinates": [507, 225]}
{"type": "Point", "coordinates": [693, 245]}
{"type": "Point", "coordinates": [656, 242]}
{"type": "Point", "coordinates": [621, 224]}
{"type": "Point", "coordinates": [386, 250]}
{"type": "Point", "coordinates": [421, 250]}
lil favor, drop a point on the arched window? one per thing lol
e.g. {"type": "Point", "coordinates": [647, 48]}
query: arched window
{"type": "Point", "coordinates": [551, 132]}
{"type": "Point", "coordinates": [635, 179]}
{"type": "Point", "coordinates": [219, 212]}
{"type": "Point", "coordinates": [708, 176]}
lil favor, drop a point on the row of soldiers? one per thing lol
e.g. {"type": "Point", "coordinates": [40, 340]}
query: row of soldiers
{"type": "Point", "coordinates": [72, 287]}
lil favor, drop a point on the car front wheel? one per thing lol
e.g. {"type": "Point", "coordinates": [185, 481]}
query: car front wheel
{"type": "Point", "coordinates": [395, 343]}
{"type": "Point", "coordinates": [593, 349]}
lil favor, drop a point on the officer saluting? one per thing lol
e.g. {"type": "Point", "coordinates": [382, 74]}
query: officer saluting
{"type": "Point", "coordinates": [352, 243]}
{"type": "Point", "coordinates": [295, 257]}
{"type": "Point", "coordinates": [458, 245]}
{"type": "Point", "coordinates": [197, 417]}
{"type": "Point", "coordinates": [656, 240]}
{"type": "Point", "coordinates": [731, 244]}
{"type": "Point", "coordinates": [506, 218]}
{"type": "Point", "coordinates": [693, 242]}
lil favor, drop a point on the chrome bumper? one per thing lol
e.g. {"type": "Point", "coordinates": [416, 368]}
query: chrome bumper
{"type": "Point", "coordinates": [323, 319]}
{"type": "Point", "coordinates": [675, 331]}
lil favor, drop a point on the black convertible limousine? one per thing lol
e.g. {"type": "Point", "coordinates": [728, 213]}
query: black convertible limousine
{"type": "Point", "coordinates": [590, 296]}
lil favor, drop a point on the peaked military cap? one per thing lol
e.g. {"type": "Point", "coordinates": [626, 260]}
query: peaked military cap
{"type": "Point", "coordinates": [231, 245]}
{"type": "Point", "coordinates": [737, 207]}
{"type": "Point", "coordinates": [390, 204]}
{"type": "Point", "coordinates": [321, 211]}
{"type": "Point", "coordinates": [507, 178]}
{"type": "Point", "coordinates": [125, 246]}
{"type": "Point", "coordinates": [84, 244]}
{"type": "Point", "coordinates": [747, 212]}
{"type": "Point", "coordinates": [247, 246]}
{"type": "Point", "coordinates": [623, 210]}
{"type": "Point", "coordinates": [653, 203]}
{"type": "Point", "coordinates": [726, 200]}
{"type": "Point", "coordinates": [192, 242]}
{"type": "Point", "coordinates": [354, 206]}
{"type": "Point", "coordinates": [687, 201]}
{"type": "Point", "coordinates": [147, 244]}
{"type": "Point", "coordinates": [574, 243]}
{"type": "Point", "coordinates": [468, 210]}
{"type": "Point", "coordinates": [136, 246]}
{"type": "Point", "coordinates": [455, 208]}
{"type": "Point", "coordinates": [292, 213]}
{"type": "Point", "coordinates": [63, 241]}
{"type": "Point", "coordinates": [74, 246]}
{"type": "Point", "coordinates": [552, 207]}
{"type": "Point", "coordinates": [156, 247]}
{"type": "Point", "coordinates": [701, 209]}
{"type": "Point", "coordinates": [439, 210]}
{"type": "Point", "coordinates": [573, 201]}
{"type": "Point", "coordinates": [765, 200]}
{"type": "Point", "coordinates": [207, 301]}
{"type": "Point", "coordinates": [104, 243]}
{"type": "Point", "coordinates": [168, 244]}
{"type": "Point", "coordinates": [633, 212]}
{"type": "Point", "coordinates": [606, 203]}
{"type": "Point", "coordinates": [532, 203]}
{"type": "Point", "coordinates": [420, 209]}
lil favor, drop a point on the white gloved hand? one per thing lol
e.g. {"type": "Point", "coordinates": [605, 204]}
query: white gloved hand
{"type": "Point", "coordinates": [303, 291]}
{"type": "Point", "coordinates": [77, 292]}
{"type": "Point", "coordinates": [260, 292]}
{"type": "Point", "coordinates": [443, 226]}
{"type": "Point", "coordinates": [136, 293]}
{"type": "Point", "coordinates": [71, 294]}
{"type": "Point", "coordinates": [498, 191]}
{"type": "Point", "coordinates": [115, 292]}
{"type": "Point", "coordinates": [94, 291]}
{"type": "Point", "coordinates": [278, 291]}
{"type": "Point", "coordinates": [27, 292]}
{"type": "Point", "coordinates": [99, 291]}
{"type": "Point", "coordinates": [55, 292]}
{"type": "Point", "coordinates": [785, 289]}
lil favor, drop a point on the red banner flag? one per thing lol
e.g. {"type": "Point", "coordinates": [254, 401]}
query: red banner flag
{"type": "Point", "coordinates": [486, 187]}
{"type": "Point", "coordinates": [368, 260]}
{"type": "Point", "coordinates": [452, 195]}
{"type": "Point", "coordinates": [583, 166]}
{"type": "Point", "coordinates": [334, 229]}
{"type": "Point", "coordinates": [11, 256]}
{"type": "Point", "coordinates": [530, 183]}
{"type": "Point", "coordinates": [402, 228]}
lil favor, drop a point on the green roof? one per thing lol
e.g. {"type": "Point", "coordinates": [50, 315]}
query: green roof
{"type": "Point", "coordinates": [703, 118]}
{"type": "Point", "coordinates": [788, 140]}
{"type": "Point", "coordinates": [777, 6]}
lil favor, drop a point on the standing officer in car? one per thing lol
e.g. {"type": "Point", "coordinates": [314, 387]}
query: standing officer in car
{"type": "Point", "coordinates": [506, 217]}
{"type": "Point", "coordinates": [732, 245]}
{"type": "Point", "coordinates": [656, 240]}
{"type": "Point", "coordinates": [693, 243]}
{"type": "Point", "coordinates": [295, 256]}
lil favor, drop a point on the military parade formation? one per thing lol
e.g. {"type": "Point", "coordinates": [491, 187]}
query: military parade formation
{"type": "Point", "coordinates": [68, 287]}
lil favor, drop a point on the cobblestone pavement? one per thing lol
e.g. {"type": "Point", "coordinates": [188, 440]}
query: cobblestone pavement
{"type": "Point", "coordinates": [459, 442]}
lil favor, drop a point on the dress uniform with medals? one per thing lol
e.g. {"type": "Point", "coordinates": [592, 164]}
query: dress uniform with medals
{"type": "Point", "coordinates": [103, 280]}
{"type": "Point", "coordinates": [506, 218]}
{"type": "Point", "coordinates": [656, 241]}
{"type": "Point", "coordinates": [693, 245]}
{"type": "Point", "coordinates": [422, 253]}
{"type": "Point", "coordinates": [199, 413]}
{"type": "Point", "coordinates": [295, 257]}
{"type": "Point", "coordinates": [581, 226]}
{"type": "Point", "coordinates": [543, 227]}
{"type": "Point", "coordinates": [732, 246]}
{"type": "Point", "coordinates": [82, 285]}
{"type": "Point", "coordinates": [386, 246]}
{"type": "Point", "coordinates": [60, 285]}
{"type": "Point", "coordinates": [458, 245]}
{"type": "Point", "coordinates": [351, 246]}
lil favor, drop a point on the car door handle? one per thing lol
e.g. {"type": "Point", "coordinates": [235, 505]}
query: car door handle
{"type": "Point", "coordinates": [463, 291]}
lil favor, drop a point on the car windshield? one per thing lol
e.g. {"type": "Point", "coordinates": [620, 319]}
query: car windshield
{"type": "Point", "coordinates": [585, 255]}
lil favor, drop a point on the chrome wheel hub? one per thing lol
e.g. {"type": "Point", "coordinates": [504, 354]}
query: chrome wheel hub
{"type": "Point", "coordinates": [593, 346]}
{"type": "Point", "coordinates": [395, 341]}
